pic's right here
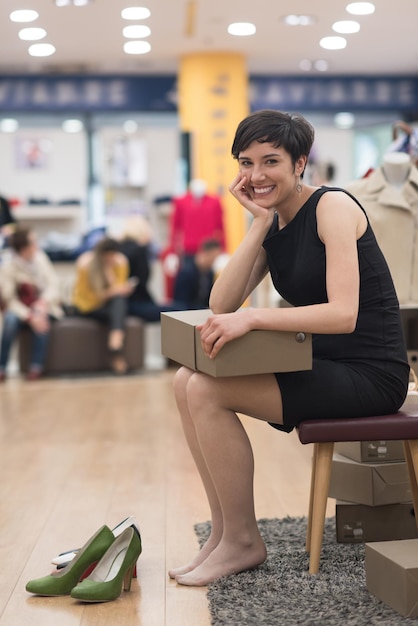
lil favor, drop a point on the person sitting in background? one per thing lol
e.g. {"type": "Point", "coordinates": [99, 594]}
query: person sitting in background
{"type": "Point", "coordinates": [195, 278]}
{"type": "Point", "coordinates": [136, 246]}
{"type": "Point", "coordinates": [30, 297]}
{"type": "Point", "coordinates": [101, 292]}
{"type": "Point", "coordinates": [7, 220]}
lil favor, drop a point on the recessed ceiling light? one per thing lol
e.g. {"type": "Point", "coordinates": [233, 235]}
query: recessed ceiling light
{"type": "Point", "coordinates": [241, 29]}
{"type": "Point", "coordinates": [137, 47]}
{"type": "Point", "coordinates": [32, 34]}
{"type": "Point", "coordinates": [360, 8]}
{"type": "Point", "coordinates": [41, 49]}
{"type": "Point", "coordinates": [305, 65]}
{"type": "Point", "coordinates": [344, 120]}
{"type": "Point", "coordinates": [135, 13]}
{"type": "Point", "coordinates": [321, 65]}
{"type": "Point", "coordinates": [68, 3]}
{"type": "Point", "coordinates": [9, 125]}
{"type": "Point", "coordinates": [24, 15]}
{"type": "Point", "coordinates": [298, 20]}
{"type": "Point", "coordinates": [333, 43]}
{"type": "Point", "coordinates": [346, 27]}
{"type": "Point", "coordinates": [72, 126]}
{"type": "Point", "coordinates": [136, 31]}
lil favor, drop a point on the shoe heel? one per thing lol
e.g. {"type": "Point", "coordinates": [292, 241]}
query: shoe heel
{"type": "Point", "coordinates": [127, 580]}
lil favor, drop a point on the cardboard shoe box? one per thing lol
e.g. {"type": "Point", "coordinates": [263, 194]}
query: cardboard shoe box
{"type": "Point", "coordinates": [359, 523]}
{"type": "Point", "coordinates": [257, 352]}
{"type": "Point", "coordinates": [392, 574]}
{"type": "Point", "coordinates": [371, 451]}
{"type": "Point", "coordinates": [373, 484]}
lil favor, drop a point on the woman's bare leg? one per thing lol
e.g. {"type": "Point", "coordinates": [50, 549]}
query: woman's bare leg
{"type": "Point", "coordinates": [224, 446]}
{"type": "Point", "coordinates": [180, 388]}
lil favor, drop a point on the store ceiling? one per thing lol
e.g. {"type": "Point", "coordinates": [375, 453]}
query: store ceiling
{"type": "Point", "coordinates": [89, 39]}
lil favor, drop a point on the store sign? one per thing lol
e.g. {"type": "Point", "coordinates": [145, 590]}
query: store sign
{"type": "Point", "coordinates": [87, 93]}
{"type": "Point", "coordinates": [158, 93]}
{"type": "Point", "coordinates": [334, 94]}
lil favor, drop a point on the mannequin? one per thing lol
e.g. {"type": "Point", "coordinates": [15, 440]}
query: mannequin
{"type": "Point", "coordinates": [389, 196]}
{"type": "Point", "coordinates": [196, 216]}
{"type": "Point", "coordinates": [396, 167]}
{"type": "Point", "coordinates": [198, 188]}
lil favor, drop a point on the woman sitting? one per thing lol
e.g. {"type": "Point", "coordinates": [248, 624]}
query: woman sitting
{"type": "Point", "coordinates": [101, 291]}
{"type": "Point", "coordinates": [30, 298]}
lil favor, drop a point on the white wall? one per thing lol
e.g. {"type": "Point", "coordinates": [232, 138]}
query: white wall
{"type": "Point", "coordinates": [333, 145]}
{"type": "Point", "coordinates": [64, 174]}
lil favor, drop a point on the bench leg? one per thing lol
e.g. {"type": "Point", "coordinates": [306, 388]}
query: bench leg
{"type": "Point", "coordinates": [411, 458]}
{"type": "Point", "coordinates": [318, 504]}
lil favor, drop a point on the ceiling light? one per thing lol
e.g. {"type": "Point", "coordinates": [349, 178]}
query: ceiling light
{"type": "Point", "coordinates": [24, 15]}
{"type": "Point", "coordinates": [32, 34]}
{"type": "Point", "coordinates": [72, 126]}
{"type": "Point", "coordinates": [137, 47]}
{"type": "Point", "coordinates": [344, 120]}
{"type": "Point", "coordinates": [346, 27]}
{"type": "Point", "coordinates": [333, 43]}
{"type": "Point", "coordinates": [41, 49]}
{"type": "Point", "coordinates": [241, 29]}
{"type": "Point", "coordinates": [136, 31]}
{"type": "Point", "coordinates": [321, 65]}
{"type": "Point", "coordinates": [360, 8]}
{"type": "Point", "coordinates": [305, 65]}
{"type": "Point", "coordinates": [9, 125]}
{"type": "Point", "coordinates": [298, 20]}
{"type": "Point", "coordinates": [135, 13]}
{"type": "Point", "coordinates": [68, 3]}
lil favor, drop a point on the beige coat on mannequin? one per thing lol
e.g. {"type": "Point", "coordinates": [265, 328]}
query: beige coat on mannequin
{"type": "Point", "coordinates": [390, 197]}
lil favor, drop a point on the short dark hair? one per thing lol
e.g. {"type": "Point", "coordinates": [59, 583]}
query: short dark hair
{"type": "Point", "coordinates": [290, 131]}
{"type": "Point", "coordinates": [20, 238]}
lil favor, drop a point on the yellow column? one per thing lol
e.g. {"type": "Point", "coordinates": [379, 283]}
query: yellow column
{"type": "Point", "coordinates": [213, 99]}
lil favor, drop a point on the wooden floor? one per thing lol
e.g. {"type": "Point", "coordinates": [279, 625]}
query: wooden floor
{"type": "Point", "coordinates": [79, 453]}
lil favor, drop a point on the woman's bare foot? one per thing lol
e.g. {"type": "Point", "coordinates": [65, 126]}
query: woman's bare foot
{"type": "Point", "coordinates": [209, 546]}
{"type": "Point", "coordinates": [226, 559]}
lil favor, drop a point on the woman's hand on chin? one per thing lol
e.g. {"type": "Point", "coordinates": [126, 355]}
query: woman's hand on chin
{"type": "Point", "coordinates": [240, 188]}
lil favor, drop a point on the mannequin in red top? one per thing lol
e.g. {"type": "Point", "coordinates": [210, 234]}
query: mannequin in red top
{"type": "Point", "coordinates": [196, 217]}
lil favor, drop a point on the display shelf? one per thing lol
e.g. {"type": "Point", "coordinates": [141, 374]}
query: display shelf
{"type": "Point", "coordinates": [48, 212]}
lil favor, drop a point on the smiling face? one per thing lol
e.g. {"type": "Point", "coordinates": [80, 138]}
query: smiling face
{"type": "Point", "coordinates": [271, 175]}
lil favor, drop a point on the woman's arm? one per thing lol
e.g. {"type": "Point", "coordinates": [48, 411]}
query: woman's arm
{"type": "Point", "coordinates": [243, 272]}
{"type": "Point", "coordinates": [340, 223]}
{"type": "Point", "coordinates": [248, 265]}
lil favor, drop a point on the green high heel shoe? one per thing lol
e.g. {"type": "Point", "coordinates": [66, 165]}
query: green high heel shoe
{"type": "Point", "coordinates": [62, 582]}
{"type": "Point", "coordinates": [113, 571]}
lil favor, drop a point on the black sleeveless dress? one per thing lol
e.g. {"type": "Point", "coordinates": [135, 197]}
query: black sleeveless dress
{"type": "Point", "coordinates": [360, 374]}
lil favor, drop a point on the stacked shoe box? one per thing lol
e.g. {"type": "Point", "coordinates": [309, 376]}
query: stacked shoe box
{"type": "Point", "coordinates": [370, 482]}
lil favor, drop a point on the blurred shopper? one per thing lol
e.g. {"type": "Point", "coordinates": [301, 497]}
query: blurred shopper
{"type": "Point", "coordinates": [30, 298]}
{"type": "Point", "coordinates": [195, 278]}
{"type": "Point", "coordinates": [101, 292]}
{"type": "Point", "coordinates": [136, 245]}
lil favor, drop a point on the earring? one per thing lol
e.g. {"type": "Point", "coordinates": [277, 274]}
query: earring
{"type": "Point", "coordinates": [299, 187]}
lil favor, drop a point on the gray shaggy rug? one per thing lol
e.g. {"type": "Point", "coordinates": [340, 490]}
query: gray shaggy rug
{"type": "Point", "coordinates": [281, 592]}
